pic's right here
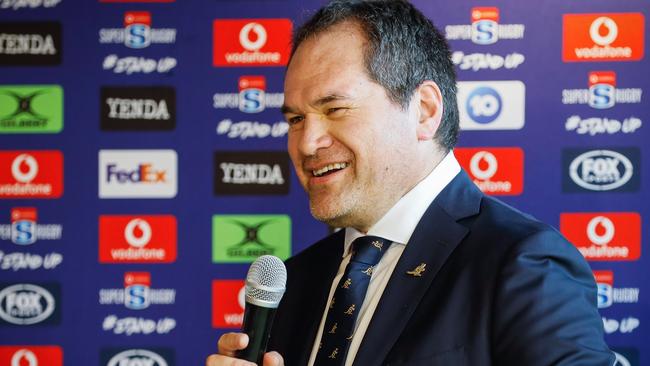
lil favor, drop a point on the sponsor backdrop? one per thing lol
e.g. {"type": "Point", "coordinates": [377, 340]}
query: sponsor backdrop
{"type": "Point", "coordinates": [143, 164]}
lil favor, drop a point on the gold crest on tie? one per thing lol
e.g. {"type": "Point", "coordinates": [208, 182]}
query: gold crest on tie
{"type": "Point", "coordinates": [368, 270]}
{"type": "Point", "coordinates": [377, 244]}
{"type": "Point", "coordinates": [350, 310]}
{"type": "Point", "coordinates": [347, 283]}
{"type": "Point", "coordinates": [417, 271]}
{"type": "Point", "coordinates": [333, 330]}
{"type": "Point", "coordinates": [332, 303]}
{"type": "Point", "coordinates": [334, 353]}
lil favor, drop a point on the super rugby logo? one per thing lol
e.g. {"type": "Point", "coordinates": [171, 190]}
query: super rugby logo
{"type": "Point", "coordinates": [609, 295]}
{"type": "Point", "coordinates": [485, 28]}
{"type": "Point", "coordinates": [137, 293]}
{"type": "Point", "coordinates": [137, 32]}
{"type": "Point", "coordinates": [602, 92]}
{"type": "Point", "coordinates": [252, 96]}
{"type": "Point", "coordinates": [24, 229]}
{"type": "Point", "coordinates": [26, 304]}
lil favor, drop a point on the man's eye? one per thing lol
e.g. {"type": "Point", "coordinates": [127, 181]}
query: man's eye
{"type": "Point", "coordinates": [294, 120]}
{"type": "Point", "coordinates": [335, 110]}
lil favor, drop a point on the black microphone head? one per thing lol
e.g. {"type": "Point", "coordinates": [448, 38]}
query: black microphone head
{"type": "Point", "coordinates": [266, 281]}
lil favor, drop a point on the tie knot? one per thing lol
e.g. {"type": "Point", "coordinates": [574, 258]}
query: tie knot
{"type": "Point", "coordinates": [368, 249]}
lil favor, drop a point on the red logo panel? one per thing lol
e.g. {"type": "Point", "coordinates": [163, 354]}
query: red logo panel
{"type": "Point", "coordinates": [604, 236]}
{"type": "Point", "coordinates": [251, 42]}
{"type": "Point", "coordinates": [137, 239]}
{"type": "Point", "coordinates": [228, 301]}
{"type": "Point", "coordinates": [31, 355]}
{"type": "Point", "coordinates": [31, 174]}
{"type": "Point", "coordinates": [495, 170]}
{"type": "Point", "coordinates": [603, 37]}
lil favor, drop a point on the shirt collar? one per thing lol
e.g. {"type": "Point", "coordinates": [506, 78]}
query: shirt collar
{"type": "Point", "coordinates": [398, 224]}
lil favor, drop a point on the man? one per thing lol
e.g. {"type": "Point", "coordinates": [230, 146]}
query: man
{"type": "Point", "coordinates": [465, 280]}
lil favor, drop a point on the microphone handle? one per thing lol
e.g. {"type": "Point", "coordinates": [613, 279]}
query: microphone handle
{"type": "Point", "coordinates": [257, 324]}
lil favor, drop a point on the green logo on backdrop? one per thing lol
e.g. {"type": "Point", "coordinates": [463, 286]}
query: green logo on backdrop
{"type": "Point", "coordinates": [31, 109]}
{"type": "Point", "coordinates": [242, 238]}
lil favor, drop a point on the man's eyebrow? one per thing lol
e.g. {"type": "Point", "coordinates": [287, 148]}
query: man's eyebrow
{"type": "Point", "coordinates": [318, 102]}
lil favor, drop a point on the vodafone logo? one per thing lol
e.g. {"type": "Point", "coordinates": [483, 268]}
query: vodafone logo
{"type": "Point", "coordinates": [255, 41]}
{"type": "Point", "coordinates": [24, 357]}
{"type": "Point", "coordinates": [610, 34]}
{"type": "Point", "coordinates": [228, 302]}
{"type": "Point", "coordinates": [251, 42]}
{"type": "Point", "coordinates": [31, 174]}
{"type": "Point", "coordinates": [494, 170]}
{"type": "Point", "coordinates": [603, 37]}
{"type": "Point", "coordinates": [137, 233]}
{"type": "Point", "coordinates": [137, 239]}
{"type": "Point", "coordinates": [600, 230]}
{"type": "Point", "coordinates": [489, 161]}
{"type": "Point", "coordinates": [28, 355]}
{"type": "Point", "coordinates": [604, 236]}
{"type": "Point", "coordinates": [21, 174]}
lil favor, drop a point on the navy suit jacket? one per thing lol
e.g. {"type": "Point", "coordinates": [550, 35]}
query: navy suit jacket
{"type": "Point", "coordinates": [500, 288]}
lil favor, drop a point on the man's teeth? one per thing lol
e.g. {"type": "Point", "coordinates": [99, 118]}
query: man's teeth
{"type": "Point", "coordinates": [335, 166]}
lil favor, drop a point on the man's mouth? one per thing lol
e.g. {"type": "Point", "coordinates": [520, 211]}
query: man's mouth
{"type": "Point", "coordinates": [330, 168]}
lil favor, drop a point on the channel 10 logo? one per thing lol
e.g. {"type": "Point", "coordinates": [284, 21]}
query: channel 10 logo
{"type": "Point", "coordinates": [491, 105]}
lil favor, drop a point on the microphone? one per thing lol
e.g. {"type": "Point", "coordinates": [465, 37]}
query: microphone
{"type": "Point", "coordinates": [265, 284]}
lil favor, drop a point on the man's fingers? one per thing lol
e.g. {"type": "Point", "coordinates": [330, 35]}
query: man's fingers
{"type": "Point", "coordinates": [231, 342]}
{"type": "Point", "coordinates": [273, 359]}
{"type": "Point", "coordinates": [221, 360]}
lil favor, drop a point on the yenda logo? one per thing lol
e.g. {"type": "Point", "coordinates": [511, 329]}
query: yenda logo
{"type": "Point", "coordinates": [601, 170]}
{"type": "Point", "coordinates": [603, 37]}
{"type": "Point", "coordinates": [29, 304]}
{"type": "Point", "coordinates": [31, 174]}
{"type": "Point", "coordinates": [251, 42]}
{"type": "Point", "coordinates": [251, 172]}
{"type": "Point", "coordinates": [146, 108]}
{"type": "Point", "coordinates": [137, 173]}
{"type": "Point", "coordinates": [495, 170]}
{"type": "Point", "coordinates": [137, 239]}
{"type": "Point", "coordinates": [30, 44]}
{"type": "Point", "coordinates": [31, 355]}
{"type": "Point", "coordinates": [228, 301]}
{"type": "Point", "coordinates": [604, 236]}
{"type": "Point", "coordinates": [137, 356]}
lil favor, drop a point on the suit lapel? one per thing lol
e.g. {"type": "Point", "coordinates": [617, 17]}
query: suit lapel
{"type": "Point", "coordinates": [434, 239]}
{"type": "Point", "coordinates": [313, 297]}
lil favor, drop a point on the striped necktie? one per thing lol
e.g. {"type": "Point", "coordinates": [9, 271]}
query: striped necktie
{"type": "Point", "coordinates": [347, 300]}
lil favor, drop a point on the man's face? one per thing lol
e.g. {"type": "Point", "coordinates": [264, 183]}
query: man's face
{"type": "Point", "coordinates": [351, 146]}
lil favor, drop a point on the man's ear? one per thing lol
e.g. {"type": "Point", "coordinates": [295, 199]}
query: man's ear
{"type": "Point", "coordinates": [430, 110]}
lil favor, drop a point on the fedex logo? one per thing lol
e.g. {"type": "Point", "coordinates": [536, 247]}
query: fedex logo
{"type": "Point", "coordinates": [251, 42]}
{"type": "Point", "coordinates": [228, 301]}
{"type": "Point", "coordinates": [137, 32]}
{"type": "Point", "coordinates": [604, 236]}
{"type": "Point", "coordinates": [608, 294]}
{"type": "Point", "coordinates": [137, 239]}
{"type": "Point", "coordinates": [602, 92]}
{"type": "Point", "coordinates": [485, 28]}
{"type": "Point", "coordinates": [137, 173]}
{"type": "Point", "coordinates": [491, 105]}
{"type": "Point", "coordinates": [252, 96]}
{"type": "Point", "coordinates": [495, 170]}
{"type": "Point", "coordinates": [603, 37]}
{"type": "Point", "coordinates": [31, 174]}
{"type": "Point", "coordinates": [31, 355]}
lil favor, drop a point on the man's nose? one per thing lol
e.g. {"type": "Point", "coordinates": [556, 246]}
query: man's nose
{"type": "Point", "coordinates": [316, 135]}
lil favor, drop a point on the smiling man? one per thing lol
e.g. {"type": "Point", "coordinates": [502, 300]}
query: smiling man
{"type": "Point", "coordinates": [427, 271]}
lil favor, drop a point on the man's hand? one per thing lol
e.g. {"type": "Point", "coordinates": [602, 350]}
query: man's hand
{"type": "Point", "coordinates": [229, 343]}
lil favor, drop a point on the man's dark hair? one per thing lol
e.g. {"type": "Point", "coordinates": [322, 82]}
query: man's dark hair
{"type": "Point", "coordinates": [404, 49]}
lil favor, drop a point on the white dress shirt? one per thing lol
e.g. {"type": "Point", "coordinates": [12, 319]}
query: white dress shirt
{"type": "Point", "coordinates": [397, 226]}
